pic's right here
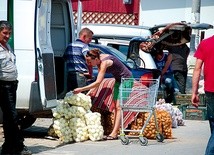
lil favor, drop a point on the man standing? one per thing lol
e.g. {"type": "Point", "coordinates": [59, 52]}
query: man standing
{"type": "Point", "coordinates": [77, 69]}
{"type": "Point", "coordinates": [180, 54]}
{"type": "Point", "coordinates": [205, 58]}
{"type": "Point", "coordinates": [13, 143]}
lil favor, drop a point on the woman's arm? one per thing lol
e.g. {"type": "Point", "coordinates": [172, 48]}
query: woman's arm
{"type": "Point", "coordinates": [89, 74]}
{"type": "Point", "coordinates": [99, 79]}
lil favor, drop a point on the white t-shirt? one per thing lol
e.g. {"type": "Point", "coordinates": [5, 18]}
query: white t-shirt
{"type": "Point", "coordinates": [8, 70]}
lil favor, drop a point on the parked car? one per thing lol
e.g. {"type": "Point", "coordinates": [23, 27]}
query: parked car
{"type": "Point", "coordinates": [121, 45]}
{"type": "Point", "coordinates": [129, 63]}
{"type": "Point", "coordinates": [119, 36]}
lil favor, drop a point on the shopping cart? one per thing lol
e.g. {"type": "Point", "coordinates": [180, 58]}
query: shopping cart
{"type": "Point", "coordinates": [138, 95]}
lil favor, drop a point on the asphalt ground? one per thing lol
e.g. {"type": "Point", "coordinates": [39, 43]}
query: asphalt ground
{"type": "Point", "coordinates": [190, 139]}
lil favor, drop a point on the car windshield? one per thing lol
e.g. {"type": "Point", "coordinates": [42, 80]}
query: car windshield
{"type": "Point", "coordinates": [115, 52]}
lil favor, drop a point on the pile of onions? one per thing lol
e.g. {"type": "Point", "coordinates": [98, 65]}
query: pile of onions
{"type": "Point", "coordinates": [73, 120]}
{"type": "Point", "coordinates": [95, 129]}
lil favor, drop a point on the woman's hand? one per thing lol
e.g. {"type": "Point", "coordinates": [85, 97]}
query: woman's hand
{"type": "Point", "coordinates": [77, 90]}
{"type": "Point", "coordinates": [91, 92]}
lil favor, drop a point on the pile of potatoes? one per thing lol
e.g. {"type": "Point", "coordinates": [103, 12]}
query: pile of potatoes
{"type": "Point", "coordinates": [164, 122]}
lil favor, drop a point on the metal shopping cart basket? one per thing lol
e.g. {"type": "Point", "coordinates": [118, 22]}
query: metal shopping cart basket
{"type": "Point", "coordinates": [139, 95]}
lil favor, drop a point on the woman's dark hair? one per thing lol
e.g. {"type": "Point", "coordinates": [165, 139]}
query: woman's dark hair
{"type": "Point", "coordinates": [94, 53]}
{"type": "Point", "coordinates": [5, 24]}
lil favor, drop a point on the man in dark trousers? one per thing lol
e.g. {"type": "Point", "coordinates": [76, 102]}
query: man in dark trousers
{"type": "Point", "coordinates": [180, 54]}
{"type": "Point", "coordinates": [204, 64]}
{"type": "Point", "coordinates": [14, 141]}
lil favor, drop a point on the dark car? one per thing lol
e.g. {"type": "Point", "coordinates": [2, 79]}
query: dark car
{"type": "Point", "coordinates": [130, 64]}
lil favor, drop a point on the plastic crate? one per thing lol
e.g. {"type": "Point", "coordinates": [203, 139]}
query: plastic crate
{"type": "Point", "coordinates": [186, 99]}
{"type": "Point", "coordinates": [183, 99]}
{"type": "Point", "coordinates": [192, 113]}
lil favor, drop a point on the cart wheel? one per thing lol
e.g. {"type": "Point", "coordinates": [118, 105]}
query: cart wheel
{"type": "Point", "coordinates": [124, 140]}
{"type": "Point", "coordinates": [159, 137]}
{"type": "Point", "coordinates": [143, 141]}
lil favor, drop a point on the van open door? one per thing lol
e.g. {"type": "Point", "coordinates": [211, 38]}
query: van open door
{"type": "Point", "coordinates": [45, 68]}
{"type": "Point", "coordinates": [52, 37]}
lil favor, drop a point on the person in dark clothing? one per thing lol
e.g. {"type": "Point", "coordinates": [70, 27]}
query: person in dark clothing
{"type": "Point", "coordinates": [163, 63]}
{"type": "Point", "coordinates": [14, 140]}
{"type": "Point", "coordinates": [179, 65]}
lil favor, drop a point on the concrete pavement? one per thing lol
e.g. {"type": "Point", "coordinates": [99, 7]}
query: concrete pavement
{"type": "Point", "coordinates": [190, 139]}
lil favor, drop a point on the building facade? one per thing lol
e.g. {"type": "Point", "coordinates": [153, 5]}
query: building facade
{"type": "Point", "coordinates": [144, 12]}
{"type": "Point", "coordinates": [109, 11]}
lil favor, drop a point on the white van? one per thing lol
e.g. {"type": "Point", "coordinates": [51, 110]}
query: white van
{"type": "Point", "coordinates": [118, 30]}
{"type": "Point", "coordinates": [42, 30]}
{"type": "Point", "coordinates": [117, 35]}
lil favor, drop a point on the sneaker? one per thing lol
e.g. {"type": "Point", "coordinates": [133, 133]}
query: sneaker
{"type": "Point", "coordinates": [25, 151]}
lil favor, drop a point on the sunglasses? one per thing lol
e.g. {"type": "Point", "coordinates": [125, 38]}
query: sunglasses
{"type": "Point", "coordinates": [91, 55]}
